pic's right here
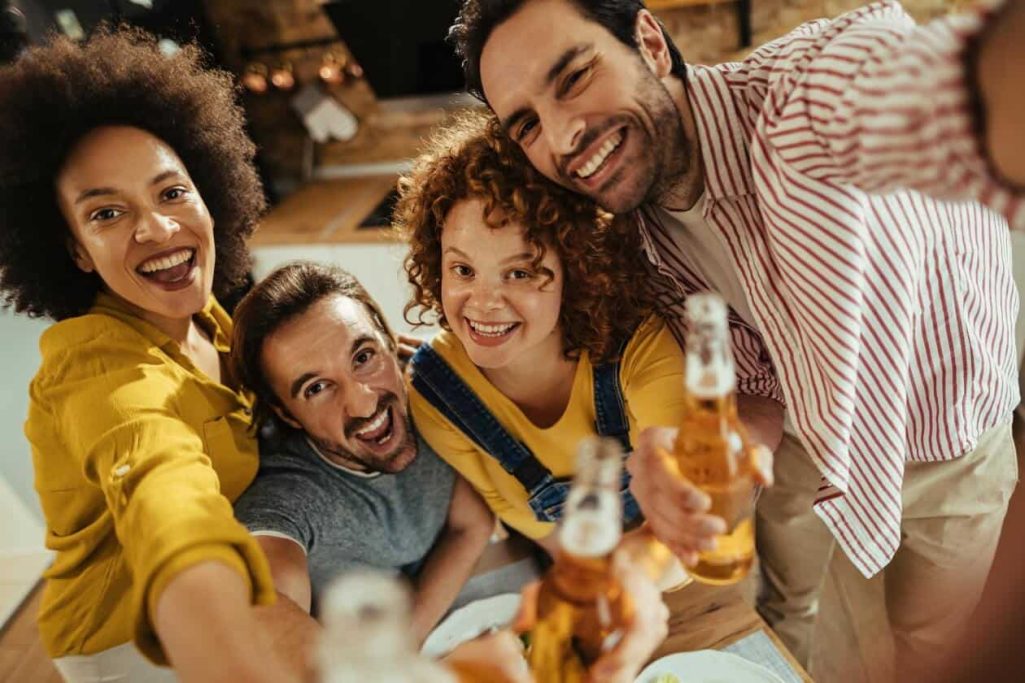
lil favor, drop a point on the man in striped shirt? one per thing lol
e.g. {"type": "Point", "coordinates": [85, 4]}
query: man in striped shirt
{"type": "Point", "coordinates": [834, 188]}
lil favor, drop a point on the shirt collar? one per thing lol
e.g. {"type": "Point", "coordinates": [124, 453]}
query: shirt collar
{"type": "Point", "coordinates": [721, 133]}
{"type": "Point", "coordinates": [212, 318]}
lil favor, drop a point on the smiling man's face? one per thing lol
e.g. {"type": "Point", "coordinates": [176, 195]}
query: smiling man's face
{"type": "Point", "coordinates": [590, 112]}
{"type": "Point", "coordinates": [337, 378]}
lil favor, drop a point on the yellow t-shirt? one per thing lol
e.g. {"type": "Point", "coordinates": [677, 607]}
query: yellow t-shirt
{"type": "Point", "coordinates": [651, 374]}
{"type": "Point", "coordinates": [138, 455]}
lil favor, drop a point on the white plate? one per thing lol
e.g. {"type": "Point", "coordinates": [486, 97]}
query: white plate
{"type": "Point", "coordinates": [470, 621]}
{"type": "Point", "coordinates": [707, 666]}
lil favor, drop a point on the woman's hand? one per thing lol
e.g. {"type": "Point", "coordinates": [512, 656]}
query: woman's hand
{"type": "Point", "coordinates": [646, 631]}
{"type": "Point", "coordinates": [406, 347]}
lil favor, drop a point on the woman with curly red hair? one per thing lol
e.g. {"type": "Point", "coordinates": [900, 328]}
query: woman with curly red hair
{"type": "Point", "coordinates": [547, 338]}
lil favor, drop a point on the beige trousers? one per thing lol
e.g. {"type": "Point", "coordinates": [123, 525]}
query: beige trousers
{"type": "Point", "coordinates": [952, 515]}
{"type": "Point", "coordinates": [121, 664]}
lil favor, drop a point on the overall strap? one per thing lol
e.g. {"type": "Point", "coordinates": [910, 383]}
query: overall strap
{"type": "Point", "coordinates": [445, 390]}
{"type": "Point", "coordinates": [609, 404]}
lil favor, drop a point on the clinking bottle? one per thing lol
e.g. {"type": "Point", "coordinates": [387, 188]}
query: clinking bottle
{"type": "Point", "coordinates": [582, 608]}
{"type": "Point", "coordinates": [367, 634]}
{"type": "Point", "coordinates": [712, 449]}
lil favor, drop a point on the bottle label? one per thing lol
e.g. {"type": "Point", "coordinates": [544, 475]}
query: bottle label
{"type": "Point", "coordinates": [589, 533]}
{"type": "Point", "coordinates": [709, 380]}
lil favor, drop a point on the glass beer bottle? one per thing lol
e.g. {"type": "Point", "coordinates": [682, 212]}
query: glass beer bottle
{"type": "Point", "coordinates": [367, 634]}
{"type": "Point", "coordinates": [581, 606]}
{"type": "Point", "coordinates": [712, 448]}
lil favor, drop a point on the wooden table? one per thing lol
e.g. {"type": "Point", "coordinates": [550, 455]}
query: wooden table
{"type": "Point", "coordinates": [710, 617]}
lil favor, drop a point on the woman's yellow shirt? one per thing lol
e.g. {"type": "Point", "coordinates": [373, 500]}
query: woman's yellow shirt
{"type": "Point", "coordinates": [138, 456]}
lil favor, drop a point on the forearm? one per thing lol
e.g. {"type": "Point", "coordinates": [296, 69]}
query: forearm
{"type": "Point", "coordinates": [209, 630]}
{"type": "Point", "coordinates": [763, 418]}
{"type": "Point", "coordinates": [293, 633]}
{"type": "Point", "coordinates": [999, 71]}
{"type": "Point", "coordinates": [446, 570]}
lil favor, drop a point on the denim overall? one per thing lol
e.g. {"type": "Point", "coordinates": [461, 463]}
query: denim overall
{"type": "Point", "coordinates": [445, 390]}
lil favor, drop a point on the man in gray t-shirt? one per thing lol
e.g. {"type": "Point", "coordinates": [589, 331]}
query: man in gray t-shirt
{"type": "Point", "coordinates": [344, 481]}
{"type": "Point", "coordinates": [342, 518]}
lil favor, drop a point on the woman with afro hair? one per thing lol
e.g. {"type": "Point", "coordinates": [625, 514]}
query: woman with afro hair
{"type": "Point", "coordinates": [127, 191]}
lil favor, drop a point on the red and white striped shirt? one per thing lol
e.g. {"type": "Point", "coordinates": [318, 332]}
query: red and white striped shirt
{"type": "Point", "coordinates": [884, 321]}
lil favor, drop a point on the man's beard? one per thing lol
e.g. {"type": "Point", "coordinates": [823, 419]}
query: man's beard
{"type": "Point", "coordinates": [390, 463]}
{"type": "Point", "coordinates": [665, 157]}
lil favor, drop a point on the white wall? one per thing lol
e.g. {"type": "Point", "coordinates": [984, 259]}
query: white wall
{"type": "Point", "coordinates": [377, 266]}
{"type": "Point", "coordinates": [19, 359]}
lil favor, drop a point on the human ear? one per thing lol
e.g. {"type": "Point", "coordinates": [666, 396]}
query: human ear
{"type": "Point", "coordinates": [652, 44]}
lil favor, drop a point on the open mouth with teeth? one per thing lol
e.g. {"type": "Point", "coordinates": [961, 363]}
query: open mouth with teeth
{"type": "Point", "coordinates": [169, 269]}
{"type": "Point", "coordinates": [379, 431]}
{"type": "Point", "coordinates": [591, 169]}
{"type": "Point", "coordinates": [490, 334]}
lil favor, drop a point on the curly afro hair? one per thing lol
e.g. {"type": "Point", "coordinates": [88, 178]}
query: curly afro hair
{"type": "Point", "coordinates": [53, 95]}
{"type": "Point", "coordinates": [604, 295]}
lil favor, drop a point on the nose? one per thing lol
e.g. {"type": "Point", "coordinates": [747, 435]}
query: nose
{"type": "Point", "coordinates": [155, 227]}
{"type": "Point", "coordinates": [360, 400]}
{"type": "Point", "coordinates": [564, 131]}
{"type": "Point", "coordinates": [487, 296]}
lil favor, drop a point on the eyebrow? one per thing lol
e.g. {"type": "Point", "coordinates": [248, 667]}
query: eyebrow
{"type": "Point", "coordinates": [104, 191]}
{"type": "Point", "coordinates": [568, 55]}
{"type": "Point", "coordinates": [522, 256]}
{"type": "Point", "coordinates": [302, 379]}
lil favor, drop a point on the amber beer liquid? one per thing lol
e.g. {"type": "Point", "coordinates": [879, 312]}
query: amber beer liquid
{"type": "Point", "coordinates": [712, 449]}
{"type": "Point", "coordinates": [582, 608]}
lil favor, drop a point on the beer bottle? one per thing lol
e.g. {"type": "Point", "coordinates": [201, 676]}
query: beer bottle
{"type": "Point", "coordinates": [367, 634]}
{"type": "Point", "coordinates": [582, 608]}
{"type": "Point", "coordinates": [713, 449]}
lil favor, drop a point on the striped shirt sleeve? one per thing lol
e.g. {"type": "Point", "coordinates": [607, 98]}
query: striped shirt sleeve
{"type": "Point", "coordinates": [874, 101]}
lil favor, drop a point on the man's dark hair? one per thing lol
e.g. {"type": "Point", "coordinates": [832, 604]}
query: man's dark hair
{"type": "Point", "coordinates": [55, 94]}
{"type": "Point", "coordinates": [478, 18]}
{"type": "Point", "coordinates": [279, 298]}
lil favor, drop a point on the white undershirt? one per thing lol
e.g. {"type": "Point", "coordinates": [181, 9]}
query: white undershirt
{"type": "Point", "coordinates": [707, 252]}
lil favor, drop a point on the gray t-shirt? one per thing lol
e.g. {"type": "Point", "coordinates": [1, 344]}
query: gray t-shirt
{"type": "Point", "coordinates": [344, 519]}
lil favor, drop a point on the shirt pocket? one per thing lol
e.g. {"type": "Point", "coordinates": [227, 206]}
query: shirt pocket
{"type": "Point", "coordinates": [232, 450]}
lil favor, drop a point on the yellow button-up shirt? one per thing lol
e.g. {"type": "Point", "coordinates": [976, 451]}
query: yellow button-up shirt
{"type": "Point", "coordinates": [138, 455]}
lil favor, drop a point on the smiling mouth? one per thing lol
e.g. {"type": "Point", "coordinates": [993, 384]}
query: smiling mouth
{"type": "Point", "coordinates": [599, 159]}
{"type": "Point", "coordinates": [493, 330]}
{"type": "Point", "coordinates": [379, 430]}
{"type": "Point", "coordinates": [169, 268]}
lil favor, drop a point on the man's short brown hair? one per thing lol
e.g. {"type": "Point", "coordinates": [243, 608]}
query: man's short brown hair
{"type": "Point", "coordinates": [279, 298]}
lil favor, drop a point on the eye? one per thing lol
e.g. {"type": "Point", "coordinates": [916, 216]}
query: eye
{"type": "Point", "coordinates": [575, 79]}
{"type": "Point", "coordinates": [521, 274]}
{"type": "Point", "coordinates": [173, 193]}
{"type": "Point", "coordinates": [363, 357]}
{"type": "Point", "coordinates": [314, 388]}
{"type": "Point", "coordinates": [462, 270]}
{"type": "Point", "coordinates": [105, 214]}
{"type": "Point", "coordinates": [526, 129]}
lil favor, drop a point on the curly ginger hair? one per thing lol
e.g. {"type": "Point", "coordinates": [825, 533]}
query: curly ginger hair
{"type": "Point", "coordinates": [604, 297]}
